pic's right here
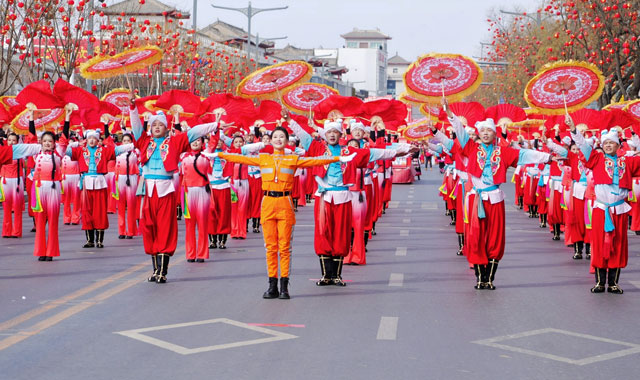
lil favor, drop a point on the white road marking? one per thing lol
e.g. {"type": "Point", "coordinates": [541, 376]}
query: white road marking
{"type": "Point", "coordinates": [429, 206]}
{"type": "Point", "coordinates": [401, 251]}
{"type": "Point", "coordinates": [492, 342]}
{"type": "Point", "coordinates": [408, 211]}
{"type": "Point", "coordinates": [407, 220]}
{"type": "Point", "coordinates": [409, 202]}
{"type": "Point", "coordinates": [393, 204]}
{"type": "Point", "coordinates": [388, 329]}
{"type": "Point", "coordinates": [396, 279]}
{"type": "Point", "coordinates": [635, 283]}
{"type": "Point", "coordinates": [138, 335]}
{"type": "Point", "coordinates": [404, 232]}
{"type": "Point", "coordinates": [410, 196]}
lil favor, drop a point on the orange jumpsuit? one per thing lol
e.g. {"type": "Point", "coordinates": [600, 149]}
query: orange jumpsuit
{"type": "Point", "coordinates": [277, 216]}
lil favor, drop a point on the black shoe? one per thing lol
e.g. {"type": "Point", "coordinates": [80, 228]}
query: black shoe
{"type": "Point", "coordinates": [199, 260]}
{"type": "Point", "coordinates": [272, 291]}
{"type": "Point", "coordinates": [284, 288]}
{"type": "Point", "coordinates": [326, 266]}
{"type": "Point", "coordinates": [66, 224]}
{"type": "Point", "coordinates": [587, 251]}
{"type": "Point", "coordinates": [42, 258]}
{"type": "Point", "coordinates": [163, 264]}
{"type": "Point", "coordinates": [155, 273]}
{"type": "Point", "coordinates": [48, 258]}
{"type": "Point", "coordinates": [337, 272]}
{"type": "Point", "coordinates": [90, 234]}
{"type": "Point", "coordinates": [191, 260]}
{"type": "Point", "coordinates": [121, 237]}
{"type": "Point", "coordinates": [556, 232]}
{"type": "Point", "coordinates": [213, 241]}
{"type": "Point", "coordinates": [99, 238]}
{"type": "Point", "coordinates": [222, 242]}
{"type": "Point", "coordinates": [129, 237]}
{"type": "Point", "coordinates": [479, 271]}
{"type": "Point", "coordinates": [614, 276]}
{"type": "Point", "coordinates": [492, 267]}
{"type": "Point", "coordinates": [601, 278]}
{"type": "Point", "coordinates": [460, 244]}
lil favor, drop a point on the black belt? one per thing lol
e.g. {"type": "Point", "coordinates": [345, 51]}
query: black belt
{"type": "Point", "coordinates": [277, 194]}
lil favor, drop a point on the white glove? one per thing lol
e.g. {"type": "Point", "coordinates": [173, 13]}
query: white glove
{"type": "Point", "coordinates": [210, 155]}
{"type": "Point", "coordinates": [347, 158]}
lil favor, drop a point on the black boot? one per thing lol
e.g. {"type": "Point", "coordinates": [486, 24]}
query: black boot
{"type": "Point", "coordinates": [222, 241]}
{"type": "Point", "coordinates": [520, 203]}
{"type": "Point", "coordinates": [366, 240]}
{"type": "Point", "coordinates": [337, 271]}
{"type": "Point", "coordinates": [614, 276]}
{"type": "Point", "coordinates": [535, 211]}
{"type": "Point", "coordinates": [556, 232]}
{"type": "Point", "coordinates": [213, 241]}
{"type": "Point", "coordinates": [479, 271]}
{"type": "Point", "coordinates": [577, 250]}
{"type": "Point", "coordinates": [460, 244]}
{"type": "Point", "coordinates": [373, 229]}
{"type": "Point", "coordinates": [179, 212]}
{"type": "Point", "coordinates": [163, 264]}
{"type": "Point", "coordinates": [530, 211]}
{"type": "Point", "coordinates": [272, 292]}
{"type": "Point", "coordinates": [491, 274]}
{"type": "Point", "coordinates": [90, 239]}
{"type": "Point", "coordinates": [601, 278]}
{"type": "Point", "coordinates": [543, 220]}
{"type": "Point", "coordinates": [587, 251]}
{"type": "Point", "coordinates": [295, 204]}
{"type": "Point", "coordinates": [156, 272]}
{"type": "Point", "coordinates": [453, 217]}
{"type": "Point", "coordinates": [100, 238]}
{"type": "Point", "coordinates": [326, 266]}
{"type": "Point", "coordinates": [284, 288]}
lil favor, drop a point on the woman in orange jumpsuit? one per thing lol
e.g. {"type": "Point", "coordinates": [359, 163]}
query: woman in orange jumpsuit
{"type": "Point", "coordinates": [277, 216]}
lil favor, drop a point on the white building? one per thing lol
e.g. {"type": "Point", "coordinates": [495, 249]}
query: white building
{"type": "Point", "coordinates": [365, 57]}
{"type": "Point", "coordinates": [396, 67]}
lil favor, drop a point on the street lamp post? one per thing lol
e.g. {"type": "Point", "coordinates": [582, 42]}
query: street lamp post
{"type": "Point", "coordinates": [249, 11]}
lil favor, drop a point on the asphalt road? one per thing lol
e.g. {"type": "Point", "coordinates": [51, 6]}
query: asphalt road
{"type": "Point", "coordinates": [411, 313]}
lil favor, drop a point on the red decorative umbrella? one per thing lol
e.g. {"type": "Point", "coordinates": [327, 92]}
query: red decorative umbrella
{"type": "Point", "coordinates": [8, 101]}
{"type": "Point", "coordinates": [120, 98]}
{"type": "Point", "coordinates": [430, 110]}
{"type": "Point", "coordinates": [418, 130]}
{"type": "Point", "coordinates": [48, 121]}
{"type": "Point", "coordinates": [270, 81]}
{"type": "Point", "coordinates": [412, 100]}
{"type": "Point", "coordinates": [126, 62]}
{"type": "Point", "coordinates": [616, 106]}
{"type": "Point", "coordinates": [304, 96]}
{"type": "Point", "coordinates": [563, 87]}
{"type": "Point", "coordinates": [433, 76]}
{"type": "Point", "coordinates": [633, 108]}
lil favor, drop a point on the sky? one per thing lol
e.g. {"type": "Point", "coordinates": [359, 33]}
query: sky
{"type": "Point", "coordinates": [416, 26]}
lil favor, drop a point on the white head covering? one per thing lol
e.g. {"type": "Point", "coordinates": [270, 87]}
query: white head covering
{"type": "Point", "coordinates": [159, 116]}
{"type": "Point", "coordinates": [489, 123]}
{"type": "Point", "coordinates": [609, 136]}
{"type": "Point", "coordinates": [566, 140]}
{"type": "Point", "coordinates": [470, 130]}
{"type": "Point", "coordinates": [333, 125]}
{"type": "Point", "coordinates": [357, 125]}
{"type": "Point", "coordinates": [91, 133]}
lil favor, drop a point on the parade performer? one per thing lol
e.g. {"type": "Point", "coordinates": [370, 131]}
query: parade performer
{"type": "Point", "coordinates": [487, 167]}
{"type": "Point", "coordinates": [46, 188]}
{"type": "Point", "coordinates": [220, 208]}
{"type": "Point", "coordinates": [126, 182]}
{"type": "Point", "coordinates": [72, 194]}
{"type": "Point", "coordinates": [159, 159]}
{"type": "Point", "coordinates": [93, 161]}
{"type": "Point", "coordinates": [194, 170]}
{"type": "Point", "coordinates": [12, 193]}
{"type": "Point", "coordinates": [612, 173]}
{"type": "Point", "coordinates": [277, 215]}
{"type": "Point", "coordinates": [333, 209]}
